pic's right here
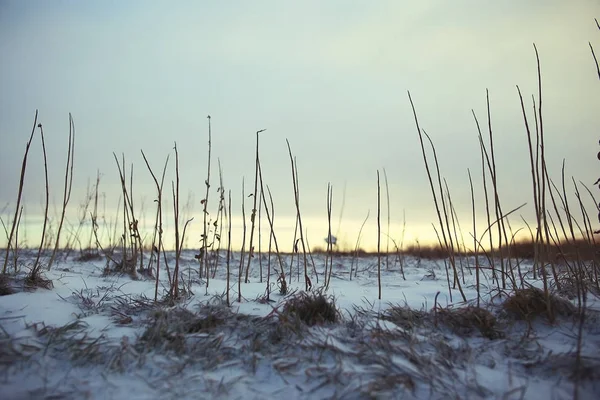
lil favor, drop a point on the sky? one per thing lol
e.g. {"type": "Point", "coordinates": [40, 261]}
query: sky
{"type": "Point", "coordinates": [331, 77]}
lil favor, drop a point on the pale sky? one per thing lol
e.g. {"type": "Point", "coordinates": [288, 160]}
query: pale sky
{"type": "Point", "coordinates": [329, 76]}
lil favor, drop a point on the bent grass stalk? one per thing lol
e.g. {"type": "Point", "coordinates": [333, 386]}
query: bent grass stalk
{"type": "Point", "coordinates": [270, 219]}
{"type": "Point", "coordinates": [475, 247]}
{"type": "Point", "coordinates": [16, 218]}
{"type": "Point", "coordinates": [243, 249]}
{"type": "Point", "coordinates": [329, 256]}
{"type": "Point", "coordinates": [448, 246]}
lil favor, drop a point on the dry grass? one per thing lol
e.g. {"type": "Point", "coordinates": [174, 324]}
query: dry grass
{"type": "Point", "coordinates": [357, 358]}
{"type": "Point", "coordinates": [174, 329]}
{"type": "Point", "coordinates": [465, 321]}
{"type": "Point", "coordinates": [311, 309]}
{"type": "Point", "coordinates": [580, 250]}
{"type": "Point", "coordinates": [427, 252]}
{"type": "Point", "coordinates": [462, 321]}
{"type": "Point", "coordinates": [317, 250]}
{"type": "Point", "coordinates": [5, 285]}
{"type": "Point", "coordinates": [564, 364]}
{"type": "Point", "coordinates": [87, 256]}
{"type": "Point", "coordinates": [12, 351]}
{"type": "Point", "coordinates": [33, 281]}
{"type": "Point", "coordinates": [125, 266]}
{"type": "Point", "coordinates": [405, 317]}
{"type": "Point", "coordinates": [531, 303]}
{"type": "Point", "coordinates": [73, 342]}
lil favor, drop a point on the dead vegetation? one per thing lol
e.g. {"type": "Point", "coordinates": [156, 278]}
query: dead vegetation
{"type": "Point", "coordinates": [308, 324]}
{"type": "Point", "coordinates": [180, 330]}
{"type": "Point", "coordinates": [37, 280]}
{"type": "Point", "coordinates": [311, 308]}
{"type": "Point", "coordinates": [5, 285]}
{"type": "Point", "coordinates": [469, 320]}
{"type": "Point", "coordinates": [89, 255]}
{"type": "Point", "coordinates": [405, 317]}
{"type": "Point", "coordinates": [531, 303]}
{"type": "Point", "coordinates": [463, 321]}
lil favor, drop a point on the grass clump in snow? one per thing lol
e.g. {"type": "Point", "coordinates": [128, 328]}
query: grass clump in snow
{"type": "Point", "coordinates": [311, 309]}
{"type": "Point", "coordinates": [465, 321]}
{"type": "Point", "coordinates": [126, 266]}
{"type": "Point", "coordinates": [5, 285]}
{"type": "Point", "coordinates": [530, 303]}
{"type": "Point", "coordinates": [167, 328]}
{"type": "Point", "coordinates": [36, 280]}
{"type": "Point", "coordinates": [74, 341]}
{"type": "Point", "coordinates": [405, 317]}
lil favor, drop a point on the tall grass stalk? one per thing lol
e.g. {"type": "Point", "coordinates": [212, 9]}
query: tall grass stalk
{"type": "Point", "coordinates": [16, 218]}
{"type": "Point", "coordinates": [254, 210]}
{"type": "Point", "coordinates": [387, 207]}
{"type": "Point", "coordinates": [329, 256]}
{"type": "Point", "coordinates": [378, 236]}
{"type": "Point", "coordinates": [491, 163]}
{"type": "Point", "coordinates": [130, 235]}
{"type": "Point", "coordinates": [202, 258]}
{"type": "Point", "coordinates": [298, 214]}
{"type": "Point", "coordinates": [357, 246]}
{"type": "Point", "coordinates": [35, 270]}
{"type": "Point", "coordinates": [483, 151]}
{"type": "Point", "coordinates": [228, 248]}
{"type": "Point", "coordinates": [68, 185]}
{"type": "Point", "coordinates": [475, 246]}
{"type": "Point", "coordinates": [221, 214]}
{"type": "Point", "coordinates": [158, 222]}
{"type": "Point", "coordinates": [243, 249]}
{"type": "Point", "coordinates": [174, 290]}
{"type": "Point", "coordinates": [270, 218]}
{"type": "Point", "coordinates": [447, 241]}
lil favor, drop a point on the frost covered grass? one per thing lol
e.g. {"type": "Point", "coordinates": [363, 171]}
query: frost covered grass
{"type": "Point", "coordinates": [102, 336]}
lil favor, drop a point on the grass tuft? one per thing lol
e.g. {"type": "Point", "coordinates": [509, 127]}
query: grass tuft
{"type": "Point", "coordinates": [312, 309]}
{"type": "Point", "coordinates": [5, 285]}
{"type": "Point", "coordinates": [37, 280]}
{"type": "Point", "coordinates": [405, 317]}
{"type": "Point", "coordinates": [169, 328]}
{"type": "Point", "coordinates": [531, 303]}
{"type": "Point", "coordinates": [465, 321]}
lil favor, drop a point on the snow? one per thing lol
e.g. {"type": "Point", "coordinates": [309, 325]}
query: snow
{"type": "Point", "coordinates": [85, 338]}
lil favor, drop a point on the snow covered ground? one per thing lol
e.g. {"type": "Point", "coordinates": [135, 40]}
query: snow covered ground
{"type": "Point", "coordinates": [96, 336]}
